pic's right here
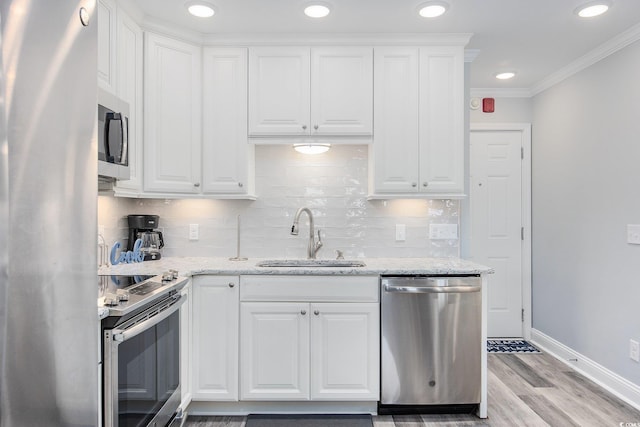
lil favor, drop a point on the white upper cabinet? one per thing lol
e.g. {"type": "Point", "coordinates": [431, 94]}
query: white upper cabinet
{"type": "Point", "coordinates": [129, 83]}
{"type": "Point", "coordinates": [299, 91]}
{"type": "Point", "coordinates": [107, 45]}
{"type": "Point", "coordinates": [173, 111]}
{"type": "Point", "coordinates": [227, 158]}
{"type": "Point", "coordinates": [418, 148]}
{"type": "Point", "coordinates": [442, 120]}
{"type": "Point", "coordinates": [341, 91]}
{"type": "Point", "coordinates": [279, 94]}
{"type": "Point", "coordinates": [393, 155]}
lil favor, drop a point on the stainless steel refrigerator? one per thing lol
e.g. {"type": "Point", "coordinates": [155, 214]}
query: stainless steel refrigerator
{"type": "Point", "coordinates": [48, 188]}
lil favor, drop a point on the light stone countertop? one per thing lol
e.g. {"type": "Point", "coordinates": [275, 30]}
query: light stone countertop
{"type": "Point", "coordinates": [190, 266]}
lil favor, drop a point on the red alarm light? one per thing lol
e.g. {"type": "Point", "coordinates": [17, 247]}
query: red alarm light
{"type": "Point", "coordinates": [488, 105]}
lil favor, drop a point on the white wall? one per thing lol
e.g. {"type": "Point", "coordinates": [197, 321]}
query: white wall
{"type": "Point", "coordinates": [586, 188]}
{"type": "Point", "coordinates": [507, 110]}
{"type": "Point", "coordinates": [333, 185]}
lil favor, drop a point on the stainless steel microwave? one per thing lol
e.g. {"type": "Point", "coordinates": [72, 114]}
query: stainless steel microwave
{"type": "Point", "coordinates": [113, 137]}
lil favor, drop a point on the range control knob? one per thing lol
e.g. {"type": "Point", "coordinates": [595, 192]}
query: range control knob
{"type": "Point", "coordinates": [111, 300]}
{"type": "Point", "coordinates": [122, 294]}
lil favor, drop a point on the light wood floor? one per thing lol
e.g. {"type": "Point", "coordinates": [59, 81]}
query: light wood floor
{"type": "Point", "coordinates": [524, 390]}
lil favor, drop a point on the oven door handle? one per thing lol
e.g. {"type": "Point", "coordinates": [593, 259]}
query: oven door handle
{"type": "Point", "coordinates": [122, 335]}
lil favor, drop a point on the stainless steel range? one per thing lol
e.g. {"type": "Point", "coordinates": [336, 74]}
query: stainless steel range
{"type": "Point", "coordinates": [140, 349]}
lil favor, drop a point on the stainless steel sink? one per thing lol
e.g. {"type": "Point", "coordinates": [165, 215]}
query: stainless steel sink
{"type": "Point", "coordinates": [310, 263]}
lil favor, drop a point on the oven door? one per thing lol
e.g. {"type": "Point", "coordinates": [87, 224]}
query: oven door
{"type": "Point", "coordinates": [142, 367]}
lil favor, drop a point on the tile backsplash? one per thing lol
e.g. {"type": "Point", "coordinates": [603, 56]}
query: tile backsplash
{"type": "Point", "coordinates": [333, 185]}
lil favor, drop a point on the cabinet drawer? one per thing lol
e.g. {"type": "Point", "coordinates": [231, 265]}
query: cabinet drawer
{"type": "Point", "coordinates": [309, 288]}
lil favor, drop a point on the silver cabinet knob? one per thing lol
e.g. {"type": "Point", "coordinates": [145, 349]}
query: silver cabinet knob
{"type": "Point", "coordinates": [240, 185]}
{"type": "Point", "coordinates": [197, 184]}
{"type": "Point", "coordinates": [231, 284]}
{"type": "Point", "coordinates": [425, 184]}
{"type": "Point", "coordinates": [316, 312]}
{"type": "Point", "coordinates": [303, 312]}
{"type": "Point", "coordinates": [315, 127]}
{"type": "Point", "coordinates": [414, 184]}
{"type": "Point", "coordinates": [304, 127]}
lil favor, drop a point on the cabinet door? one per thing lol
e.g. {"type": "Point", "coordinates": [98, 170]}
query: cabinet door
{"type": "Point", "coordinates": [274, 349]}
{"type": "Point", "coordinates": [129, 61]}
{"type": "Point", "coordinates": [226, 151]}
{"type": "Point", "coordinates": [215, 338]}
{"type": "Point", "coordinates": [278, 91]}
{"type": "Point", "coordinates": [442, 119]}
{"type": "Point", "coordinates": [342, 91]}
{"type": "Point", "coordinates": [107, 45]}
{"type": "Point", "coordinates": [172, 116]}
{"type": "Point", "coordinates": [345, 348]}
{"type": "Point", "coordinates": [393, 163]}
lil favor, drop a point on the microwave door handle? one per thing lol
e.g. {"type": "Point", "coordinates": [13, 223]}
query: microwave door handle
{"type": "Point", "coordinates": [107, 125]}
{"type": "Point", "coordinates": [121, 335]}
{"type": "Point", "coordinates": [124, 128]}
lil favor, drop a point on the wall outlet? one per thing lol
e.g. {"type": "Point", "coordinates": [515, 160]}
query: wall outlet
{"type": "Point", "coordinates": [194, 231]}
{"type": "Point", "coordinates": [443, 231]}
{"type": "Point", "coordinates": [401, 233]}
{"type": "Point", "coordinates": [101, 230]}
{"type": "Point", "coordinates": [633, 234]}
{"type": "Point", "coordinates": [634, 350]}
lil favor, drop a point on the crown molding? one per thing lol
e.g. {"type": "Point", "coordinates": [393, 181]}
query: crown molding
{"type": "Point", "coordinates": [158, 26]}
{"type": "Point", "coordinates": [612, 46]}
{"type": "Point", "coordinates": [500, 92]}
{"type": "Point", "coordinates": [352, 39]}
{"type": "Point", "coordinates": [470, 55]}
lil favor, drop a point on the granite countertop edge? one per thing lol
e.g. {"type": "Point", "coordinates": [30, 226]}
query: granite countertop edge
{"type": "Point", "coordinates": [192, 266]}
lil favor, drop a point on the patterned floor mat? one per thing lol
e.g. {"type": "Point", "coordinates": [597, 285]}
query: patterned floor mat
{"type": "Point", "coordinates": [510, 346]}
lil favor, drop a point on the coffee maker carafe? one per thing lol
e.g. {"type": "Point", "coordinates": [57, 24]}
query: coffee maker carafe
{"type": "Point", "coordinates": [142, 227]}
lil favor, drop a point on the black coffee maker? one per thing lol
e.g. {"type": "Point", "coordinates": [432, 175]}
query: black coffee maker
{"type": "Point", "coordinates": [142, 227]}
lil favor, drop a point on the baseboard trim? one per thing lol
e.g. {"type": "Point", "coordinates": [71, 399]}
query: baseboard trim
{"type": "Point", "coordinates": [609, 380]}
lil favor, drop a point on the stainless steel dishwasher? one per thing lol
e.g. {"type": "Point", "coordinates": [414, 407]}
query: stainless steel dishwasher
{"type": "Point", "coordinates": [430, 347]}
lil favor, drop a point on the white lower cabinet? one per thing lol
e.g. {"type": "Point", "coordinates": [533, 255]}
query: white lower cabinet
{"type": "Point", "coordinates": [215, 338]}
{"type": "Point", "coordinates": [309, 350]}
{"type": "Point", "coordinates": [344, 351]}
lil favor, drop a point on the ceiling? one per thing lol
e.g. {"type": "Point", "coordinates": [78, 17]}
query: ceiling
{"type": "Point", "coordinates": [535, 38]}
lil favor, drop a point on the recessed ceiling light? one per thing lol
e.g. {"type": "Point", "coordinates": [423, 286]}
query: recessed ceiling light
{"type": "Point", "coordinates": [591, 9]}
{"type": "Point", "coordinates": [317, 10]}
{"type": "Point", "coordinates": [200, 9]}
{"type": "Point", "coordinates": [432, 9]}
{"type": "Point", "coordinates": [505, 75]}
{"type": "Point", "coordinates": [311, 148]}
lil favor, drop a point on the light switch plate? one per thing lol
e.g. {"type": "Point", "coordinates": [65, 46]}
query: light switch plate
{"type": "Point", "coordinates": [443, 231]}
{"type": "Point", "coordinates": [401, 232]}
{"type": "Point", "coordinates": [633, 234]}
{"type": "Point", "coordinates": [194, 232]}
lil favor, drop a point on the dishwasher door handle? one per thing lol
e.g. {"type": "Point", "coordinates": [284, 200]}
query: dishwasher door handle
{"type": "Point", "coordinates": [431, 289]}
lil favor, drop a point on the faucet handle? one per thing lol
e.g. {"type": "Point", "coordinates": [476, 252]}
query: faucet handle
{"type": "Point", "coordinates": [339, 254]}
{"type": "Point", "coordinates": [319, 237]}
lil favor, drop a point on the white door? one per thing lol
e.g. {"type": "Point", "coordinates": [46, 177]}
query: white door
{"type": "Point", "coordinates": [395, 148]}
{"type": "Point", "coordinates": [279, 91]}
{"type": "Point", "coordinates": [342, 91]}
{"type": "Point", "coordinates": [225, 150]}
{"type": "Point", "coordinates": [496, 224]}
{"type": "Point", "coordinates": [172, 115]}
{"type": "Point", "coordinates": [274, 351]}
{"type": "Point", "coordinates": [215, 338]}
{"type": "Point", "coordinates": [345, 351]}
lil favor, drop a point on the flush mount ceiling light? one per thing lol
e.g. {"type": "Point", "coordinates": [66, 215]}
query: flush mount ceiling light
{"type": "Point", "coordinates": [311, 148]}
{"type": "Point", "coordinates": [200, 9]}
{"type": "Point", "coordinates": [317, 10]}
{"type": "Point", "coordinates": [432, 9]}
{"type": "Point", "coordinates": [505, 75]}
{"type": "Point", "coordinates": [591, 9]}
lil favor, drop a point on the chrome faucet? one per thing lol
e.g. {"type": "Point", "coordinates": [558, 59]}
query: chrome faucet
{"type": "Point", "coordinates": [314, 246]}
